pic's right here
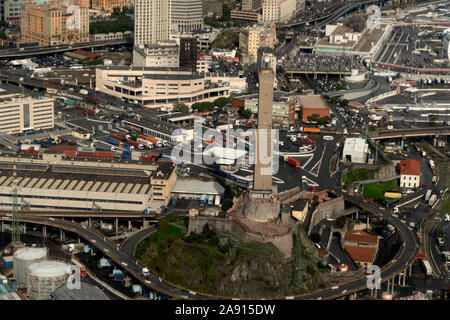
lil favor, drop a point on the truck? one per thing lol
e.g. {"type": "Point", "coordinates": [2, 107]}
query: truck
{"type": "Point", "coordinates": [427, 267]}
{"type": "Point", "coordinates": [135, 144]}
{"type": "Point", "coordinates": [431, 164]}
{"type": "Point", "coordinates": [293, 162]}
{"type": "Point", "coordinates": [144, 142]}
{"type": "Point", "coordinates": [84, 91]}
{"type": "Point", "coordinates": [432, 200]}
{"type": "Point", "coordinates": [427, 195]}
{"type": "Point", "coordinates": [203, 200]}
{"type": "Point", "coordinates": [114, 142]}
{"type": "Point", "coordinates": [154, 141]}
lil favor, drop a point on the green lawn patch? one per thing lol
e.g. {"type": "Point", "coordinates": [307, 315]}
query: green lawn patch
{"type": "Point", "coordinates": [359, 174]}
{"type": "Point", "coordinates": [376, 190]}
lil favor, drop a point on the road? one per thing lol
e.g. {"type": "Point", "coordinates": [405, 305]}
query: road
{"type": "Point", "coordinates": [129, 245]}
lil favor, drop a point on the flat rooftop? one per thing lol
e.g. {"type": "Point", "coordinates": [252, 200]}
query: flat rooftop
{"type": "Point", "coordinates": [86, 292]}
{"type": "Point", "coordinates": [198, 187]}
{"type": "Point", "coordinates": [313, 102]}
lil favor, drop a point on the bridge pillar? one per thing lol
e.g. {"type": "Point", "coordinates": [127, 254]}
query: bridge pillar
{"type": "Point", "coordinates": [399, 279]}
{"type": "Point", "coordinates": [368, 223]}
{"type": "Point", "coordinates": [3, 226]}
{"type": "Point", "coordinates": [90, 222]}
{"type": "Point", "coordinates": [388, 284]}
{"type": "Point", "coordinates": [404, 278]}
{"type": "Point", "coordinates": [435, 141]}
{"type": "Point", "coordinates": [44, 231]}
{"type": "Point", "coordinates": [410, 270]}
{"type": "Point", "coordinates": [129, 224]}
{"type": "Point", "coordinates": [62, 235]}
{"type": "Point", "coordinates": [392, 286]}
{"type": "Point", "coordinates": [24, 228]}
{"type": "Point", "coordinates": [117, 226]}
{"type": "Point", "coordinates": [403, 142]}
{"type": "Point", "coordinates": [79, 240]}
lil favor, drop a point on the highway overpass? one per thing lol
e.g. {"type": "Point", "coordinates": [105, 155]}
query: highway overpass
{"type": "Point", "coordinates": [35, 51]}
{"type": "Point", "coordinates": [411, 132]}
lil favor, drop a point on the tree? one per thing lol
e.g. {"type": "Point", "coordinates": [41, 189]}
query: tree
{"type": "Point", "coordinates": [180, 107]}
{"type": "Point", "coordinates": [222, 101]}
{"type": "Point", "coordinates": [246, 113]}
{"type": "Point", "coordinates": [203, 106]}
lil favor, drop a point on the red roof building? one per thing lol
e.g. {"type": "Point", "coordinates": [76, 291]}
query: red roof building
{"type": "Point", "coordinates": [409, 173]}
{"type": "Point", "coordinates": [361, 246]}
{"type": "Point", "coordinates": [410, 167]}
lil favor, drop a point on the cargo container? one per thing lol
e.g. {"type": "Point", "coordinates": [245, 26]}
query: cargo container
{"type": "Point", "coordinates": [125, 145]}
{"type": "Point", "coordinates": [293, 162]}
{"type": "Point", "coordinates": [69, 153]}
{"type": "Point", "coordinates": [26, 146]}
{"type": "Point", "coordinates": [104, 154]}
{"type": "Point", "coordinates": [134, 135]}
{"type": "Point", "coordinates": [85, 154]}
{"type": "Point", "coordinates": [126, 155]}
{"type": "Point", "coordinates": [114, 141]}
{"type": "Point", "coordinates": [311, 130]}
{"type": "Point", "coordinates": [63, 148]}
{"type": "Point", "coordinates": [29, 150]}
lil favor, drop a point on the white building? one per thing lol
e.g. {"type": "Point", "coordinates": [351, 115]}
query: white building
{"type": "Point", "coordinates": [355, 150]}
{"type": "Point", "coordinates": [409, 173]}
{"type": "Point", "coordinates": [152, 21]}
{"type": "Point", "coordinates": [278, 10]}
{"type": "Point", "coordinates": [161, 54]}
{"type": "Point", "coordinates": [19, 113]}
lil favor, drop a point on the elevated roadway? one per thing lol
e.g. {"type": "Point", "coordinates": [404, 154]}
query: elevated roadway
{"type": "Point", "coordinates": [410, 132]}
{"type": "Point", "coordinates": [36, 51]}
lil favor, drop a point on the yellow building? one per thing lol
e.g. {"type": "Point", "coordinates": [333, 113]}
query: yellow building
{"type": "Point", "coordinates": [55, 23]}
{"type": "Point", "coordinates": [256, 36]}
{"type": "Point", "coordinates": [107, 5]}
{"type": "Point", "coordinates": [162, 181]}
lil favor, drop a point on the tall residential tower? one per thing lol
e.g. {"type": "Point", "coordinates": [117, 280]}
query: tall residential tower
{"type": "Point", "coordinates": [152, 21]}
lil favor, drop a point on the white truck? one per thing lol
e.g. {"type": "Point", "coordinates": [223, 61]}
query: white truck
{"type": "Point", "coordinates": [432, 200]}
{"type": "Point", "coordinates": [144, 142]}
{"type": "Point", "coordinates": [84, 91]}
{"type": "Point", "coordinates": [427, 195]}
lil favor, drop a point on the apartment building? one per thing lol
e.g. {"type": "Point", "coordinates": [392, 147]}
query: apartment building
{"type": "Point", "coordinates": [278, 10]}
{"type": "Point", "coordinates": [107, 5]}
{"type": "Point", "coordinates": [246, 16]}
{"type": "Point", "coordinates": [19, 113]}
{"type": "Point", "coordinates": [186, 15]}
{"type": "Point", "coordinates": [152, 21]}
{"type": "Point", "coordinates": [259, 35]}
{"type": "Point", "coordinates": [160, 54]}
{"type": "Point", "coordinates": [54, 23]}
{"type": "Point", "coordinates": [283, 112]}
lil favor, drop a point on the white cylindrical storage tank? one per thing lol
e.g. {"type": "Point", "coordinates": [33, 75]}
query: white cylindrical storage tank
{"type": "Point", "coordinates": [23, 258]}
{"type": "Point", "coordinates": [45, 277]}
